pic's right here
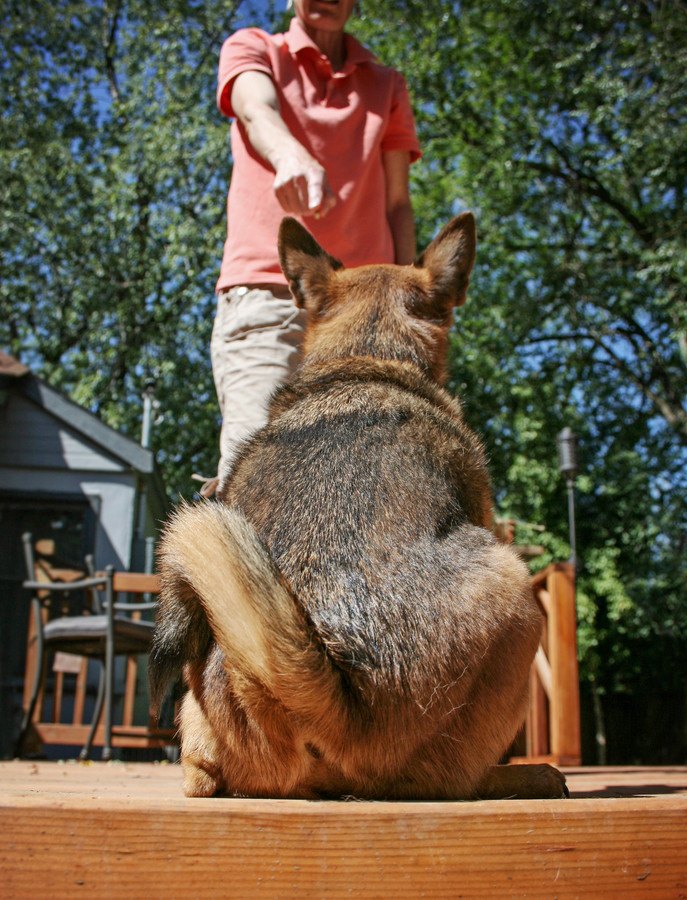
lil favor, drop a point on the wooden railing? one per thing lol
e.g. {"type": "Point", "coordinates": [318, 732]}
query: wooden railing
{"type": "Point", "coordinates": [552, 727]}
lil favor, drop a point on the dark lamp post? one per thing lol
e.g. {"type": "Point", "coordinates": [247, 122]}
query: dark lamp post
{"type": "Point", "coordinates": [149, 406]}
{"type": "Point", "coordinates": [567, 465]}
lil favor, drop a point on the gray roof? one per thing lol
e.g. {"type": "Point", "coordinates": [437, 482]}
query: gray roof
{"type": "Point", "coordinates": [17, 376]}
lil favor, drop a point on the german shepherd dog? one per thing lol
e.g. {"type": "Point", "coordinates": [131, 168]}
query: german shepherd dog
{"type": "Point", "coordinates": [346, 622]}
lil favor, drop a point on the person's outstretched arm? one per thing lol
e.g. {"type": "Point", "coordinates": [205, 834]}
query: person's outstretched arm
{"type": "Point", "coordinates": [300, 182]}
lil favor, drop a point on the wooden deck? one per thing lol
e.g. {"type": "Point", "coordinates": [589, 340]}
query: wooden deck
{"type": "Point", "coordinates": [115, 829]}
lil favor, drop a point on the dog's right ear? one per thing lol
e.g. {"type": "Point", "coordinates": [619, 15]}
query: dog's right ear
{"type": "Point", "coordinates": [305, 264]}
{"type": "Point", "coordinates": [449, 260]}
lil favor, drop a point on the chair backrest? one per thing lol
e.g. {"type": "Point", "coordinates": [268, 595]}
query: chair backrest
{"type": "Point", "coordinates": [40, 569]}
{"type": "Point", "coordinates": [39, 566]}
{"type": "Point", "coordinates": [138, 587]}
{"type": "Point", "coordinates": [136, 583]}
{"type": "Point", "coordinates": [134, 592]}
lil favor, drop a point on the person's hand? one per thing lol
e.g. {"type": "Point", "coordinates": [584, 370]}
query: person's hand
{"type": "Point", "coordinates": [302, 187]}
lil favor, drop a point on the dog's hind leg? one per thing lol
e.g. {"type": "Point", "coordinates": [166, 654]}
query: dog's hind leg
{"type": "Point", "coordinates": [488, 629]}
{"type": "Point", "coordinates": [237, 739]}
{"type": "Point", "coordinates": [200, 751]}
{"type": "Point", "coordinates": [224, 753]}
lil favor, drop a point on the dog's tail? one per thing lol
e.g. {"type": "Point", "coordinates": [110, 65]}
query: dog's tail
{"type": "Point", "coordinates": [216, 572]}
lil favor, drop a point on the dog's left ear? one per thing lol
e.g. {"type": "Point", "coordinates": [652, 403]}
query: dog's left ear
{"type": "Point", "coordinates": [449, 259]}
{"type": "Point", "coordinates": [305, 264]}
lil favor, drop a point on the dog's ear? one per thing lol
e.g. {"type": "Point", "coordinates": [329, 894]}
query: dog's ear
{"type": "Point", "coordinates": [449, 259]}
{"type": "Point", "coordinates": [305, 264]}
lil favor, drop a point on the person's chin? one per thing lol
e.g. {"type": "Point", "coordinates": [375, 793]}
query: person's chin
{"type": "Point", "coordinates": [323, 14]}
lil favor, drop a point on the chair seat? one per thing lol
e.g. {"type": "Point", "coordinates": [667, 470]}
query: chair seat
{"type": "Point", "coordinates": [86, 635]}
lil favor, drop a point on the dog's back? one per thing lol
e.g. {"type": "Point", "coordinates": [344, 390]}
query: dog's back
{"type": "Point", "coordinates": [349, 624]}
{"type": "Point", "coordinates": [354, 487]}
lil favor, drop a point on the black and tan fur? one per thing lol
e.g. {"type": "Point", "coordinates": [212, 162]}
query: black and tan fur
{"type": "Point", "coordinates": [346, 622]}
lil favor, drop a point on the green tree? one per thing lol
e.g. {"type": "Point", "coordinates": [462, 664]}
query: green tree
{"type": "Point", "coordinates": [564, 128]}
{"type": "Point", "coordinates": [113, 175]}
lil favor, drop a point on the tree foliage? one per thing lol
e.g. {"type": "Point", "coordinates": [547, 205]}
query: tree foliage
{"type": "Point", "coordinates": [563, 126]}
{"type": "Point", "coordinates": [113, 174]}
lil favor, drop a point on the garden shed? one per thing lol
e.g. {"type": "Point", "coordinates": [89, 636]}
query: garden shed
{"type": "Point", "coordinates": [68, 478]}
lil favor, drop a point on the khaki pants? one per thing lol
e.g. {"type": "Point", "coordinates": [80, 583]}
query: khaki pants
{"type": "Point", "coordinates": [256, 342]}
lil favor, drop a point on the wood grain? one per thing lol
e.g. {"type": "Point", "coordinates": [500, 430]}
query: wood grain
{"type": "Point", "coordinates": [552, 727]}
{"type": "Point", "coordinates": [126, 830]}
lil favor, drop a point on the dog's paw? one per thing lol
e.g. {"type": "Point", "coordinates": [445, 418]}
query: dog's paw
{"type": "Point", "coordinates": [523, 782]}
{"type": "Point", "coordinates": [545, 782]}
{"type": "Point", "coordinates": [201, 779]}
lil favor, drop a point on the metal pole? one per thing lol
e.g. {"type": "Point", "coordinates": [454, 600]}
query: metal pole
{"type": "Point", "coordinates": [571, 521]}
{"type": "Point", "coordinates": [148, 413]}
{"type": "Point", "coordinates": [150, 554]}
{"type": "Point", "coordinates": [567, 465]}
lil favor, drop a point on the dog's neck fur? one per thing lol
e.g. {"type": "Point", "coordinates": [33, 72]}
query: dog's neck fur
{"type": "Point", "coordinates": [317, 377]}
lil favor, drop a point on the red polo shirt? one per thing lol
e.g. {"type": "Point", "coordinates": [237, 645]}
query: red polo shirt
{"type": "Point", "coordinates": [345, 120]}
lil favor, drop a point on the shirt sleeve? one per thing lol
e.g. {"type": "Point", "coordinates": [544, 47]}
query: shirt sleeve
{"type": "Point", "coordinates": [244, 51]}
{"type": "Point", "coordinates": [400, 133]}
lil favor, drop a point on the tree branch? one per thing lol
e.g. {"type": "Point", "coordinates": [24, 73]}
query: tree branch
{"type": "Point", "coordinates": [110, 25]}
{"type": "Point", "coordinates": [592, 185]}
{"type": "Point", "coordinates": [674, 414]}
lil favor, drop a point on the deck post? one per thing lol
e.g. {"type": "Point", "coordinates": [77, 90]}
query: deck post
{"type": "Point", "coordinates": [565, 699]}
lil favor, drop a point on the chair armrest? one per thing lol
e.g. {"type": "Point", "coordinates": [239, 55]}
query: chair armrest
{"type": "Point", "coordinates": [65, 586]}
{"type": "Point", "coordinates": [135, 607]}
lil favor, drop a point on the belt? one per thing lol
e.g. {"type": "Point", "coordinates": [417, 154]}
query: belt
{"type": "Point", "coordinates": [279, 290]}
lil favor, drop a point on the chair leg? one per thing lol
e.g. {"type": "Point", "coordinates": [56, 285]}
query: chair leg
{"type": "Point", "coordinates": [28, 713]}
{"type": "Point", "coordinates": [109, 698]}
{"type": "Point", "coordinates": [97, 713]}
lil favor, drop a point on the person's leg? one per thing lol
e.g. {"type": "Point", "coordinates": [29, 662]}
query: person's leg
{"type": "Point", "coordinates": [256, 343]}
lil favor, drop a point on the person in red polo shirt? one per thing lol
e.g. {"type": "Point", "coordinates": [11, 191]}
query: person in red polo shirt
{"type": "Point", "coordinates": [324, 132]}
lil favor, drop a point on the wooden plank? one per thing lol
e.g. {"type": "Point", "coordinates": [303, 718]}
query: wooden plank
{"type": "Point", "coordinates": [80, 692]}
{"type": "Point", "coordinates": [29, 678]}
{"type": "Point", "coordinates": [539, 578]}
{"type": "Point", "coordinates": [136, 583]}
{"type": "Point", "coordinates": [554, 691]}
{"type": "Point", "coordinates": [45, 547]}
{"type": "Point", "coordinates": [114, 830]}
{"type": "Point", "coordinates": [551, 759]}
{"type": "Point", "coordinates": [627, 781]}
{"type": "Point", "coordinates": [46, 572]}
{"type": "Point", "coordinates": [136, 736]}
{"type": "Point", "coordinates": [129, 690]}
{"type": "Point", "coordinates": [537, 718]}
{"type": "Point", "coordinates": [31, 659]}
{"type": "Point", "coordinates": [543, 669]}
{"type": "Point", "coordinates": [544, 598]}
{"type": "Point", "coordinates": [57, 696]}
{"type": "Point", "coordinates": [26, 781]}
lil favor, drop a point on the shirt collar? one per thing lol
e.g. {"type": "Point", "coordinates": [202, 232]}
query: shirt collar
{"type": "Point", "coordinates": [298, 40]}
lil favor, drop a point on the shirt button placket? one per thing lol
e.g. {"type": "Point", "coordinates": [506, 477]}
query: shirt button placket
{"type": "Point", "coordinates": [325, 72]}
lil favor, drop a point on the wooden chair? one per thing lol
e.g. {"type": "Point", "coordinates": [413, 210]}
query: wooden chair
{"type": "Point", "coordinates": [109, 621]}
